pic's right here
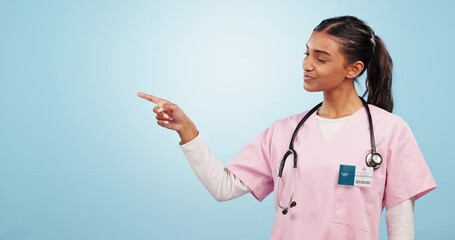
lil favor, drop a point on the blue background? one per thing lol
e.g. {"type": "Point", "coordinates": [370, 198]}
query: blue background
{"type": "Point", "coordinates": [81, 155]}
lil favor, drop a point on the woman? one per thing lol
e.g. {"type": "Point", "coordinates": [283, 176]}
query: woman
{"type": "Point", "coordinates": [352, 158]}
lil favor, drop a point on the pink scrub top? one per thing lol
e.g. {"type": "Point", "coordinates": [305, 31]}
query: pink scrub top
{"type": "Point", "coordinates": [326, 210]}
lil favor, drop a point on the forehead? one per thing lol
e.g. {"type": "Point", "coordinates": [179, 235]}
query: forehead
{"type": "Point", "coordinates": [324, 42]}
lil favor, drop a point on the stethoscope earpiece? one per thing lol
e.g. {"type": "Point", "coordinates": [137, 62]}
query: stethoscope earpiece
{"type": "Point", "coordinates": [293, 204]}
{"type": "Point", "coordinates": [285, 211]}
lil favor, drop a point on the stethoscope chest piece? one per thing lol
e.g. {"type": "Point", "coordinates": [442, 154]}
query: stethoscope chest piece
{"type": "Point", "coordinates": [373, 160]}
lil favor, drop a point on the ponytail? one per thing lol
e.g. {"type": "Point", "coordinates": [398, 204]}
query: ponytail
{"type": "Point", "coordinates": [359, 43]}
{"type": "Point", "coordinates": [379, 77]}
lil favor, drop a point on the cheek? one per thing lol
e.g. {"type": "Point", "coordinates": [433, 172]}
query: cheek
{"type": "Point", "coordinates": [325, 73]}
{"type": "Point", "coordinates": [330, 77]}
{"type": "Point", "coordinates": [334, 72]}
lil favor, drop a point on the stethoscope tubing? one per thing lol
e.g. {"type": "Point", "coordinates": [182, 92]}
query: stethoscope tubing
{"type": "Point", "coordinates": [369, 158]}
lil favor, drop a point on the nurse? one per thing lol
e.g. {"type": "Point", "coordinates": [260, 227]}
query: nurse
{"type": "Point", "coordinates": [337, 195]}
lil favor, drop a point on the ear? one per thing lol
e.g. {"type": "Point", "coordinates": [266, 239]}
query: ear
{"type": "Point", "coordinates": [354, 69]}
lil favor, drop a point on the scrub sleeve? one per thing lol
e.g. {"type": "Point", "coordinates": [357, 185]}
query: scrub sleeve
{"type": "Point", "coordinates": [408, 175]}
{"type": "Point", "coordinates": [252, 165]}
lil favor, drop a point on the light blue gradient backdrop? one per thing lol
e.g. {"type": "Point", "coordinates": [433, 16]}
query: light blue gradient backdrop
{"type": "Point", "coordinates": [82, 157]}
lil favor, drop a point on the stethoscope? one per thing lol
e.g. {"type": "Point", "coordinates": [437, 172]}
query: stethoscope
{"type": "Point", "coordinates": [373, 159]}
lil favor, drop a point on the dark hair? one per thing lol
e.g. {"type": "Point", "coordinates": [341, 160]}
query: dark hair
{"type": "Point", "coordinates": [359, 43]}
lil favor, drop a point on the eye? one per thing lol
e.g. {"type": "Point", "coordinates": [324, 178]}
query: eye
{"type": "Point", "coordinates": [322, 60]}
{"type": "Point", "coordinates": [306, 54]}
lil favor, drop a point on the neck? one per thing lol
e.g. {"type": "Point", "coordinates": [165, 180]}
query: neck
{"type": "Point", "coordinates": [340, 104]}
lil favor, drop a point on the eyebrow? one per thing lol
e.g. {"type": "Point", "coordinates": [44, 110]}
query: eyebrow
{"type": "Point", "coordinates": [319, 51]}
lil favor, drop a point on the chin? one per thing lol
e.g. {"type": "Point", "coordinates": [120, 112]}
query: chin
{"type": "Point", "coordinates": [310, 89]}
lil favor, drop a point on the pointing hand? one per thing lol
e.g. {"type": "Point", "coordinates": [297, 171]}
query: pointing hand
{"type": "Point", "coordinates": [170, 116]}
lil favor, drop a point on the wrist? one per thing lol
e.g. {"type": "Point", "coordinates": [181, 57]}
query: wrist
{"type": "Point", "coordinates": [187, 133]}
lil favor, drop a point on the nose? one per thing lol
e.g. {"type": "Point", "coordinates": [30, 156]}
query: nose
{"type": "Point", "coordinates": [306, 64]}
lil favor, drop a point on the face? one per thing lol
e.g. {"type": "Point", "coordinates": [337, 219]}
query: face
{"type": "Point", "coordinates": [324, 65]}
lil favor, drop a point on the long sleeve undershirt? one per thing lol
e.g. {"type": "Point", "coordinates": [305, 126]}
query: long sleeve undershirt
{"type": "Point", "coordinates": [224, 185]}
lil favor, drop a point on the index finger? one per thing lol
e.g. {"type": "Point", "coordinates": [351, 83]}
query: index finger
{"type": "Point", "coordinates": [151, 98]}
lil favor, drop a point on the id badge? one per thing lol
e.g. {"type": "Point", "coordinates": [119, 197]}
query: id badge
{"type": "Point", "coordinates": [355, 176]}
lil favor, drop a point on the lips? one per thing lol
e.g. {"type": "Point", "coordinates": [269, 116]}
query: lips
{"type": "Point", "coordinates": [308, 78]}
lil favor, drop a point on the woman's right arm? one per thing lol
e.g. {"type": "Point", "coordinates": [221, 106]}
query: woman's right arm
{"type": "Point", "coordinates": [218, 180]}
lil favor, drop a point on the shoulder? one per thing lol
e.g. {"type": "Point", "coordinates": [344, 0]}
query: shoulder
{"type": "Point", "coordinates": [381, 116]}
{"type": "Point", "coordinates": [290, 120]}
{"type": "Point", "coordinates": [286, 124]}
{"type": "Point", "coordinates": [390, 124]}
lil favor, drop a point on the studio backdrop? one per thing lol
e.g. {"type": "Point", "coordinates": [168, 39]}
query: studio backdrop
{"type": "Point", "coordinates": [81, 156]}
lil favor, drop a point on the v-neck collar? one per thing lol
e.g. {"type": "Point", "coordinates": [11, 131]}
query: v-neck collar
{"type": "Point", "coordinates": [330, 127]}
{"type": "Point", "coordinates": [352, 119]}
